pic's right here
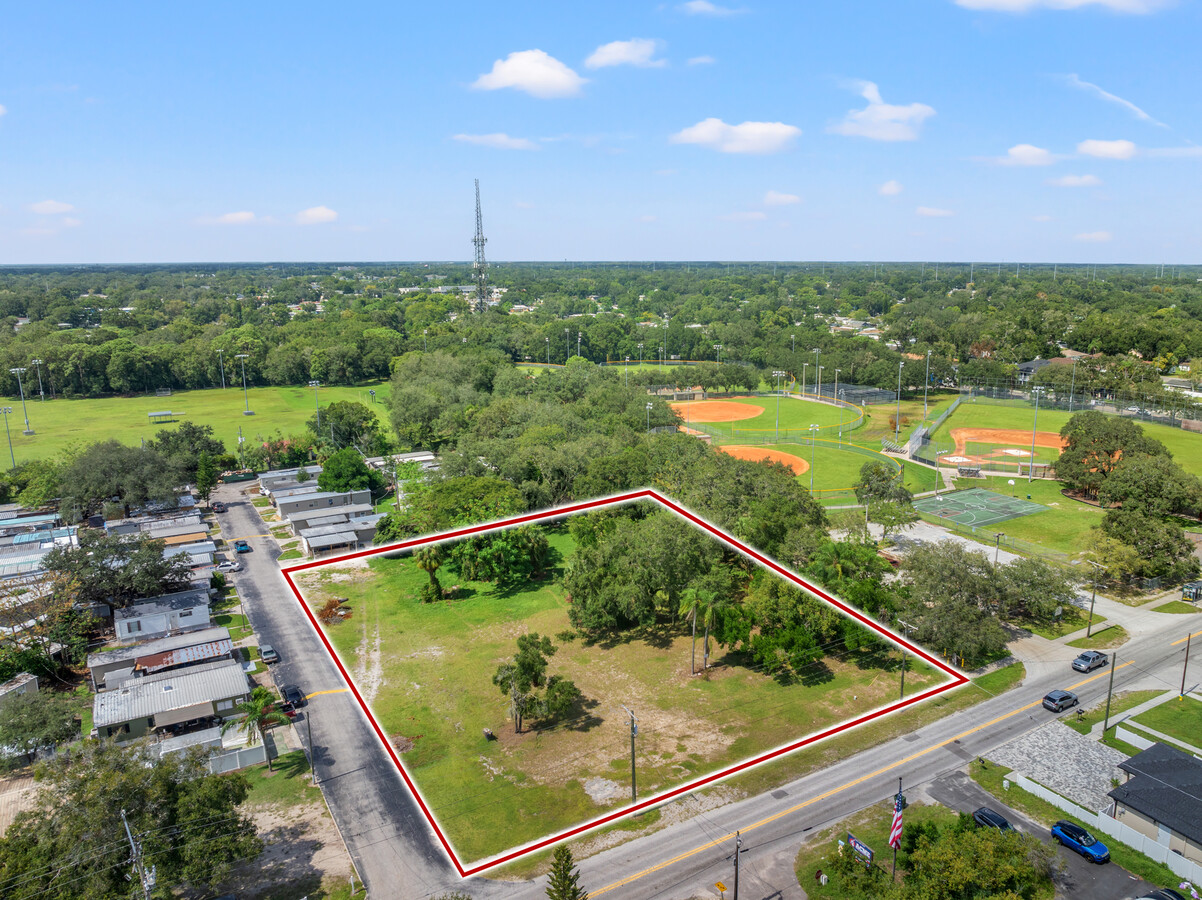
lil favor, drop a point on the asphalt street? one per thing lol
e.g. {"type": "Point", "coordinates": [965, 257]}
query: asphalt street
{"type": "Point", "coordinates": [397, 854]}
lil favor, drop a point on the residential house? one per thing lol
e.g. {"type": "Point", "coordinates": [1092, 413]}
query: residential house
{"type": "Point", "coordinates": [182, 611]}
{"type": "Point", "coordinates": [21, 684]}
{"type": "Point", "coordinates": [111, 668]}
{"type": "Point", "coordinates": [147, 705]}
{"type": "Point", "coordinates": [327, 500]}
{"type": "Point", "coordinates": [1027, 370]}
{"type": "Point", "coordinates": [1162, 798]}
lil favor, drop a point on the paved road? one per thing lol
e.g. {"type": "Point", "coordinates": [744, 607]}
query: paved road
{"type": "Point", "coordinates": [1079, 878]}
{"type": "Point", "coordinates": [394, 850]}
{"type": "Point", "coordinates": [398, 856]}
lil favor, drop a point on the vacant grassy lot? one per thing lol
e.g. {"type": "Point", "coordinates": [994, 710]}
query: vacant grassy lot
{"type": "Point", "coordinates": [1179, 607]}
{"type": "Point", "coordinates": [60, 423]}
{"type": "Point", "coordinates": [427, 670]}
{"type": "Point", "coordinates": [1181, 719]}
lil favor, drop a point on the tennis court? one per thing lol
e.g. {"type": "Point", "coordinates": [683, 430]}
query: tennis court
{"type": "Point", "coordinates": [976, 506]}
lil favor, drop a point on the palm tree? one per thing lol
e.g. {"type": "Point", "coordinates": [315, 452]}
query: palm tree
{"type": "Point", "coordinates": [429, 558]}
{"type": "Point", "coordinates": [690, 606]}
{"type": "Point", "coordinates": [258, 714]}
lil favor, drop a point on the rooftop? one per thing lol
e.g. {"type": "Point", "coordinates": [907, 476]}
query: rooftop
{"type": "Point", "coordinates": [1165, 786]}
{"type": "Point", "coordinates": [189, 599]}
{"type": "Point", "coordinates": [161, 645]}
{"type": "Point", "coordinates": [157, 694]}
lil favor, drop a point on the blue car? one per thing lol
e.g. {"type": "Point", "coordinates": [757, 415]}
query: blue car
{"type": "Point", "coordinates": [1077, 838]}
{"type": "Point", "coordinates": [241, 547]}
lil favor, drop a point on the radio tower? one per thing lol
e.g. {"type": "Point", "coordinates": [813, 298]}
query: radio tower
{"type": "Point", "coordinates": [480, 266]}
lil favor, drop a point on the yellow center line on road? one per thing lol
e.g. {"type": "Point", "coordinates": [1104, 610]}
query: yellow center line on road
{"type": "Point", "coordinates": [332, 691]}
{"type": "Point", "coordinates": [1183, 640]}
{"type": "Point", "coordinates": [837, 790]}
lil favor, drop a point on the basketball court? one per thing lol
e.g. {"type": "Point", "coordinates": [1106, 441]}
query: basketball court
{"type": "Point", "coordinates": [976, 506]}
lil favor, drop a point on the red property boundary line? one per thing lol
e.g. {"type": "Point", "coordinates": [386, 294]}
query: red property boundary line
{"type": "Point", "coordinates": [958, 678]}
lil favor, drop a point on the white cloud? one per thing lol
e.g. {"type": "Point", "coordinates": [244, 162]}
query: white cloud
{"type": "Point", "coordinates": [71, 222]}
{"type": "Point", "coordinates": [316, 215]}
{"type": "Point", "coordinates": [1094, 237]}
{"type": "Point", "coordinates": [1075, 181]}
{"type": "Point", "coordinates": [244, 217]}
{"type": "Point", "coordinates": [533, 71]}
{"type": "Point", "coordinates": [776, 198]}
{"type": "Point", "coordinates": [634, 52]}
{"type": "Point", "coordinates": [1043, 218]}
{"type": "Point", "coordinates": [1125, 6]}
{"type": "Point", "coordinates": [1027, 155]}
{"type": "Point", "coordinates": [702, 61]}
{"type": "Point", "coordinates": [1076, 82]}
{"type": "Point", "coordinates": [3, 110]}
{"type": "Point", "coordinates": [890, 188]}
{"type": "Point", "coordinates": [749, 137]}
{"type": "Point", "coordinates": [932, 212]}
{"type": "Point", "coordinates": [497, 140]}
{"type": "Point", "coordinates": [51, 208]}
{"type": "Point", "coordinates": [881, 121]}
{"type": "Point", "coordinates": [1107, 149]}
{"type": "Point", "coordinates": [705, 8]}
{"type": "Point", "coordinates": [750, 216]}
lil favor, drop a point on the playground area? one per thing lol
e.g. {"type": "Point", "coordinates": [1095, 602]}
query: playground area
{"type": "Point", "coordinates": [977, 507]}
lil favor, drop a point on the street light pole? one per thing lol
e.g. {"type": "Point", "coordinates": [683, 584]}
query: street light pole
{"type": "Point", "coordinates": [242, 357]}
{"type": "Point", "coordinates": [221, 362]}
{"type": "Point", "coordinates": [804, 366]}
{"type": "Point", "coordinates": [818, 370]}
{"type": "Point", "coordinates": [316, 404]}
{"type": "Point", "coordinates": [41, 392]}
{"type": "Point", "coordinates": [897, 418]}
{"type": "Point", "coordinates": [6, 410]}
{"type": "Point", "coordinates": [1034, 425]}
{"type": "Point", "coordinates": [1073, 387]}
{"type": "Point", "coordinates": [648, 417]}
{"type": "Point", "coordinates": [836, 398]}
{"type": "Point", "coordinates": [997, 545]}
{"type": "Point", "coordinates": [1093, 596]}
{"type": "Point", "coordinates": [20, 387]}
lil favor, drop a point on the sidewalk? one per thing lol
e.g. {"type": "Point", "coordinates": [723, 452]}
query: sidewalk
{"type": "Point", "coordinates": [1096, 731]}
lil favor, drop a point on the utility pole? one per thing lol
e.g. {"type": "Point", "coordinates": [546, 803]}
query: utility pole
{"type": "Point", "coordinates": [634, 731]}
{"type": "Point", "coordinates": [146, 879]}
{"type": "Point", "coordinates": [1109, 691]}
{"type": "Point", "coordinates": [479, 265]}
{"type": "Point", "coordinates": [1185, 667]}
{"type": "Point", "coordinates": [906, 628]}
{"type": "Point", "coordinates": [738, 852]}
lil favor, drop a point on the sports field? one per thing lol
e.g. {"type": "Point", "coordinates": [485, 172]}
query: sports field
{"type": "Point", "coordinates": [1185, 446]}
{"type": "Point", "coordinates": [59, 423]}
{"type": "Point", "coordinates": [758, 415]}
{"type": "Point", "coordinates": [977, 506]}
{"type": "Point", "coordinates": [426, 670]}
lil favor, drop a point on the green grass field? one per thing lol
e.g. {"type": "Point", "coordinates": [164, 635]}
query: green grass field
{"type": "Point", "coordinates": [833, 469]}
{"type": "Point", "coordinates": [59, 423]}
{"type": "Point", "coordinates": [879, 419]}
{"type": "Point", "coordinates": [795, 415]}
{"type": "Point", "coordinates": [1120, 703]}
{"type": "Point", "coordinates": [1180, 719]}
{"type": "Point", "coordinates": [1184, 445]}
{"type": "Point", "coordinates": [433, 673]}
{"type": "Point", "coordinates": [1105, 639]}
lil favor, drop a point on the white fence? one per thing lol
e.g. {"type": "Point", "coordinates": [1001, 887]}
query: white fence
{"type": "Point", "coordinates": [1132, 738]}
{"type": "Point", "coordinates": [1101, 821]}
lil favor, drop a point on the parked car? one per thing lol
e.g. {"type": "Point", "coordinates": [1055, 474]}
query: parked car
{"type": "Point", "coordinates": [1090, 660]}
{"type": "Point", "coordinates": [988, 818]}
{"type": "Point", "coordinates": [1161, 894]}
{"type": "Point", "coordinates": [267, 654]}
{"type": "Point", "coordinates": [293, 694]}
{"type": "Point", "coordinates": [1059, 700]}
{"type": "Point", "coordinates": [229, 566]}
{"type": "Point", "coordinates": [241, 547]}
{"type": "Point", "coordinates": [218, 506]}
{"type": "Point", "coordinates": [1077, 838]}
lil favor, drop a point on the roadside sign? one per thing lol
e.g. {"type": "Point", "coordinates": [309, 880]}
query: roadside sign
{"type": "Point", "coordinates": [861, 848]}
{"type": "Point", "coordinates": [720, 886]}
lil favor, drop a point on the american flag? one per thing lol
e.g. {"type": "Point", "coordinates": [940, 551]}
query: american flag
{"type": "Point", "coordinates": [896, 830]}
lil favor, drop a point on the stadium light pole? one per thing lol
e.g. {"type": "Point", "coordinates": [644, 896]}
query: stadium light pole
{"type": "Point", "coordinates": [897, 418]}
{"type": "Point", "coordinates": [548, 340]}
{"type": "Point", "coordinates": [813, 441]}
{"type": "Point", "coordinates": [627, 367]}
{"type": "Point", "coordinates": [245, 396]}
{"type": "Point", "coordinates": [718, 353]}
{"type": "Point", "coordinates": [316, 404]}
{"type": "Point", "coordinates": [567, 344]}
{"type": "Point", "coordinates": [819, 379]}
{"type": "Point", "coordinates": [41, 392]}
{"type": "Point", "coordinates": [1073, 387]}
{"type": "Point", "coordinates": [818, 374]}
{"type": "Point", "coordinates": [776, 374]}
{"type": "Point", "coordinates": [836, 399]}
{"type": "Point", "coordinates": [793, 338]}
{"type": "Point", "coordinates": [640, 354]}
{"type": "Point", "coordinates": [21, 387]}
{"type": "Point", "coordinates": [804, 366]}
{"type": "Point", "coordinates": [425, 346]}
{"type": "Point", "coordinates": [6, 410]}
{"type": "Point", "coordinates": [926, 383]}
{"type": "Point", "coordinates": [648, 417]}
{"type": "Point", "coordinates": [579, 335]}
{"type": "Point", "coordinates": [1031, 463]}
{"type": "Point", "coordinates": [221, 362]}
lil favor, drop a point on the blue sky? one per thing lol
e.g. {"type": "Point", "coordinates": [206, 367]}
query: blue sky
{"type": "Point", "coordinates": [1039, 130]}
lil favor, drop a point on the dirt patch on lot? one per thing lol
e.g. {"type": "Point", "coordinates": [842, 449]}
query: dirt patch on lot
{"type": "Point", "coordinates": [716, 410]}
{"type": "Point", "coordinates": [762, 454]}
{"type": "Point", "coordinates": [302, 849]}
{"type": "Point", "coordinates": [16, 794]}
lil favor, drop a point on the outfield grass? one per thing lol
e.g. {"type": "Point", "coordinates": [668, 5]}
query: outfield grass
{"type": "Point", "coordinates": [60, 423]}
{"type": "Point", "coordinates": [795, 415]}
{"type": "Point", "coordinates": [436, 664]}
{"type": "Point", "coordinates": [833, 469]}
{"type": "Point", "coordinates": [878, 424]}
{"type": "Point", "coordinates": [1180, 719]}
{"type": "Point", "coordinates": [990, 778]}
